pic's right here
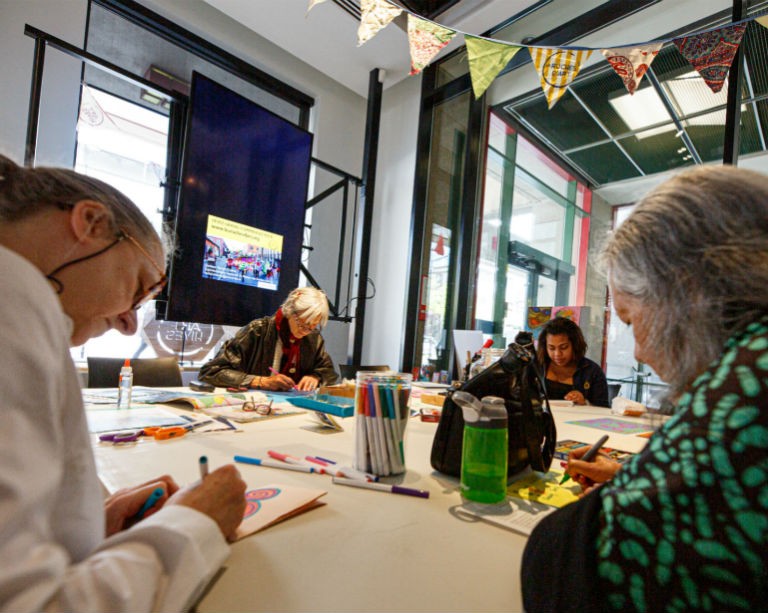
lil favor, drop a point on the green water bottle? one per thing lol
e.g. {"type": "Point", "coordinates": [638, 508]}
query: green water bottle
{"type": "Point", "coordinates": [484, 453]}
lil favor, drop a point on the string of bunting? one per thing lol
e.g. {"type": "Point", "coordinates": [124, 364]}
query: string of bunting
{"type": "Point", "coordinates": [710, 52]}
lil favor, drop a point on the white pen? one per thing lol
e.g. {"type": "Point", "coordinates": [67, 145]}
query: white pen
{"type": "Point", "coordinates": [274, 464]}
{"type": "Point", "coordinates": [382, 487]}
{"type": "Point", "coordinates": [353, 473]}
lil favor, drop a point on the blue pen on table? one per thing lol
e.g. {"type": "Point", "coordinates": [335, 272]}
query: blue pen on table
{"type": "Point", "coordinates": [150, 502]}
{"type": "Point", "coordinates": [274, 464]}
{"type": "Point", "coordinates": [590, 455]}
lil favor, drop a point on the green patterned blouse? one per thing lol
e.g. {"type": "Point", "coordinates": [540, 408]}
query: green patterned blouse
{"type": "Point", "coordinates": [684, 525]}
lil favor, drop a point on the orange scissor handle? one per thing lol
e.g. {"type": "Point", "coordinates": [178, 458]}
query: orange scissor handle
{"type": "Point", "coordinates": [150, 430]}
{"type": "Point", "coordinates": [170, 432]}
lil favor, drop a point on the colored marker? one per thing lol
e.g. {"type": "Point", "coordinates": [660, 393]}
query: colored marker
{"type": "Point", "coordinates": [203, 467]}
{"type": "Point", "coordinates": [273, 464]}
{"type": "Point", "coordinates": [150, 502]}
{"type": "Point", "coordinates": [382, 487]}
{"type": "Point", "coordinates": [590, 455]}
{"type": "Point", "coordinates": [284, 457]}
{"type": "Point", "coordinates": [274, 372]}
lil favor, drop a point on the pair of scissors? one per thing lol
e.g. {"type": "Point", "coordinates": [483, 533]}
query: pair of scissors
{"type": "Point", "coordinates": [127, 436]}
{"type": "Point", "coordinates": [162, 433]}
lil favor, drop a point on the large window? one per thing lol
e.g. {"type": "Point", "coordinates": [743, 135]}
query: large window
{"type": "Point", "coordinates": [533, 238]}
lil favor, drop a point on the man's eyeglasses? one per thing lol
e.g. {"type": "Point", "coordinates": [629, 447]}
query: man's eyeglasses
{"type": "Point", "coordinates": [154, 289]}
{"type": "Point", "coordinates": [257, 407]}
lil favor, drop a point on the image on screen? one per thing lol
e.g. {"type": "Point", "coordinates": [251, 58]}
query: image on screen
{"type": "Point", "coordinates": [242, 254]}
{"type": "Point", "coordinates": [240, 220]}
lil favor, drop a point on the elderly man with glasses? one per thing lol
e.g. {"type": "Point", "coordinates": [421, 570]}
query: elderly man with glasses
{"type": "Point", "coordinates": [278, 352]}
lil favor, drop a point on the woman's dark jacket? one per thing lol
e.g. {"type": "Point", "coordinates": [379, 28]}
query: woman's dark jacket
{"type": "Point", "coordinates": [250, 354]}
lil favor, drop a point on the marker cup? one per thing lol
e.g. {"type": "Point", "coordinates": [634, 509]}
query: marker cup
{"type": "Point", "coordinates": [381, 415]}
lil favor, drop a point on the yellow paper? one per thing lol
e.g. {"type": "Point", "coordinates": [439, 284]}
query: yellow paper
{"type": "Point", "coordinates": [545, 488]}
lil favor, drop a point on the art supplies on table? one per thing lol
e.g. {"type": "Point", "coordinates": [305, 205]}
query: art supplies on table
{"type": "Point", "coordinates": [381, 415]}
{"type": "Point", "coordinates": [544, 488]}
{"type": "Point", "coordinates": [159, 395]}
{"type": "Point", "coordinates": [136, 418]}
{"type": "Point", "coordinates": [256, 406]}
{"type": "Point", "coordinates": [337, 406]}
{"type": "Point", "coordinates": [563, 448]}
{"type": "Point", "coordinates": [611, 424]}
{"type": "Point", "coordinates": [270, 504]}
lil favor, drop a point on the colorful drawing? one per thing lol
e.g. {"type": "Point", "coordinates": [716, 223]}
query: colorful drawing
{"type": "Point", "coordinates": [611, 424]}
{"type": "Point", "coordinates": [545, 488]}
{"type": "Point", "coordinates": [253, 499]}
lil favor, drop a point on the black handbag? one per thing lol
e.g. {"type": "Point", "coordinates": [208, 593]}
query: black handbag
{"type": "Point", "coordinates": [517, 379]}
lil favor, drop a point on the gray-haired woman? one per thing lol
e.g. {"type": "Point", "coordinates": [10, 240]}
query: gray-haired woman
{"type": "Point", "coordinates": [684, 525]}
{"type": "Point", "coordinates": [278, 352]}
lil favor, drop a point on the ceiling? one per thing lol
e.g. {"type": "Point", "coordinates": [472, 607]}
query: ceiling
{"type": "Point", "coordinates": [326, 37]}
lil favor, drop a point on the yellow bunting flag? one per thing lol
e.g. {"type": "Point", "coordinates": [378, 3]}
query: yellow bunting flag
{"type": "Point", "coordinates": [712, 53]}
{"type": "Point", "coordinates": [557, 68]}
{"type": "Point", "coordinates": [763, 21]}
{"type": "Point", "coordinates": [425, 39]}
{"type": "Point", "coordinates": [374, 15]}
{"type": "Point", "coordinates": [486, 60]}
{"type": "Point", "coordinates": [312, 3]}
{"type": "Point", "coordinates": [631, 63]}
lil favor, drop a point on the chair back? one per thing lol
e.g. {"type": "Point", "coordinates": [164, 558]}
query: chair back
{"type": "Point", "coordinates": [149, 372]}
{"type": "Point", "coordinates": [349, 371]}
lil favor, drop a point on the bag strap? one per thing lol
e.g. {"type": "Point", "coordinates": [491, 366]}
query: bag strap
{"type": "Point", "coordinates": [540, 452]}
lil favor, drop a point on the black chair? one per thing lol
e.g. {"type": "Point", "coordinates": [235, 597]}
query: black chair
{"type": "Point", "coordinates": [149, 372]}
{"type": "Point", "coordinates": [349, 371]}
{"type": "Point", "coordinates": [613, 391]}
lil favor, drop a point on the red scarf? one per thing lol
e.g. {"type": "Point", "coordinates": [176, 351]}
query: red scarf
{"type": "Point", "coordinates": [290, 359]}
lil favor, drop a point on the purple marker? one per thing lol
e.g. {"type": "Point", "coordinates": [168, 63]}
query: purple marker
{"type": "Point", "coordinates": [382, 487]}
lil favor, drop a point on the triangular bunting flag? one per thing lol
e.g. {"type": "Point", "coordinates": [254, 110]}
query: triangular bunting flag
{"type": "Point", "coordinates": [486, 60]}
{"type": "Point", "coordinates": [313, 3]}
{"type": "Point", "coordinates": [557, 68]}
{"type": "Point", "coordinates": [631, 63]}
{"type": "Point", "coordinates": [374, 15]}
{"type": "Point", "coordinates": [763, 21]}
{"type": "Point", "coordinates": [425, 40]}
{"type": "Point", "coordinates": [712, 53]}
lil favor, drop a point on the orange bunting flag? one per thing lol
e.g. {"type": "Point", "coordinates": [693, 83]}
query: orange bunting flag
{"type": "Point", "coordinates": [374, 16]}
{"type": "Point", "coordinates": [486, 60]}
{"type": "Point", "coordinates": [312, 3]}
{"type": "Point", "coordinates": [425, 39]}
{"type": "Point", "coordinates": [712, 53]}
{"type": "Point", "coordinates": [631, 63]}
{"type": "Point", "coordinates": [557, 68]}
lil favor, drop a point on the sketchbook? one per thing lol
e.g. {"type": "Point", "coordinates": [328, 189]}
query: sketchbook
{"type": "Point", "coordinates": [270, 504]}
{"type": "Point", "coordinates": [513, 514]}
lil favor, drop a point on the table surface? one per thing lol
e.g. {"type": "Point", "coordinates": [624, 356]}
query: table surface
{"type": "Point", "coordinates": [363, 550]}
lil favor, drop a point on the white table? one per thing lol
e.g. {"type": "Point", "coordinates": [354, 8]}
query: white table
{"type": "Point", "coordinates": [363, 550]}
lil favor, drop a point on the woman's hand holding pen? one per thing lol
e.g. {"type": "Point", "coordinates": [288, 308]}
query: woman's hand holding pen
{"type": "Point", "coordinates": [586, 474]}
{"type": "Point", "coordinates": [122, 507]}
{"type": "Point", "coordinates": [220, 496]}
{"type": "Point", "coordinates": [276, 382]}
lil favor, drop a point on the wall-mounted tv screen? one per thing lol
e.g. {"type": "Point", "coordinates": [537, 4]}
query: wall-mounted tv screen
{"type": "Point", "coordinates": [245, 173]}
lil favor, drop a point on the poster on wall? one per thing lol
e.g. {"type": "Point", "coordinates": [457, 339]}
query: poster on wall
{"type": "Point", "coordinates": [539, 315]}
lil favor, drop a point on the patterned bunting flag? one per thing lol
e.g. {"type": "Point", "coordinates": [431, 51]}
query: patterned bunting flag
{"type": "Point", "coordinates": [313, 3]}
{"type": "Point", "coordinates": [631, 63]}
{"type": "Point", "coordinates": [712, 53]}
{"type": "Point", "coordinates": [486, 60]}
{"type": "Point", "coordinates": [374, 15]}
{"type": "Point", "coordinates": [425, 39]}
{"type": "Point", "coordinates": [557, 68]}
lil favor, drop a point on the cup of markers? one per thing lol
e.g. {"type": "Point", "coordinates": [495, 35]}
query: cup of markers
{"type": "Point", "coordinates": [381, 415]}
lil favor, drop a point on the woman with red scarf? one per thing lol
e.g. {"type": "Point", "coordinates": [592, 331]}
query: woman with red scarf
{"type": "Point", "coordinates": [278, 352]}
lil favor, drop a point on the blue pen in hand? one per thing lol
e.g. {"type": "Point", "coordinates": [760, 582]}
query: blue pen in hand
{"type": "Point", "coordinates": [156, 494]}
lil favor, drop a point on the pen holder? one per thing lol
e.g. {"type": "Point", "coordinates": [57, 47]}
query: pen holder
{"type": "Point", "coordinates": [381, 415]}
